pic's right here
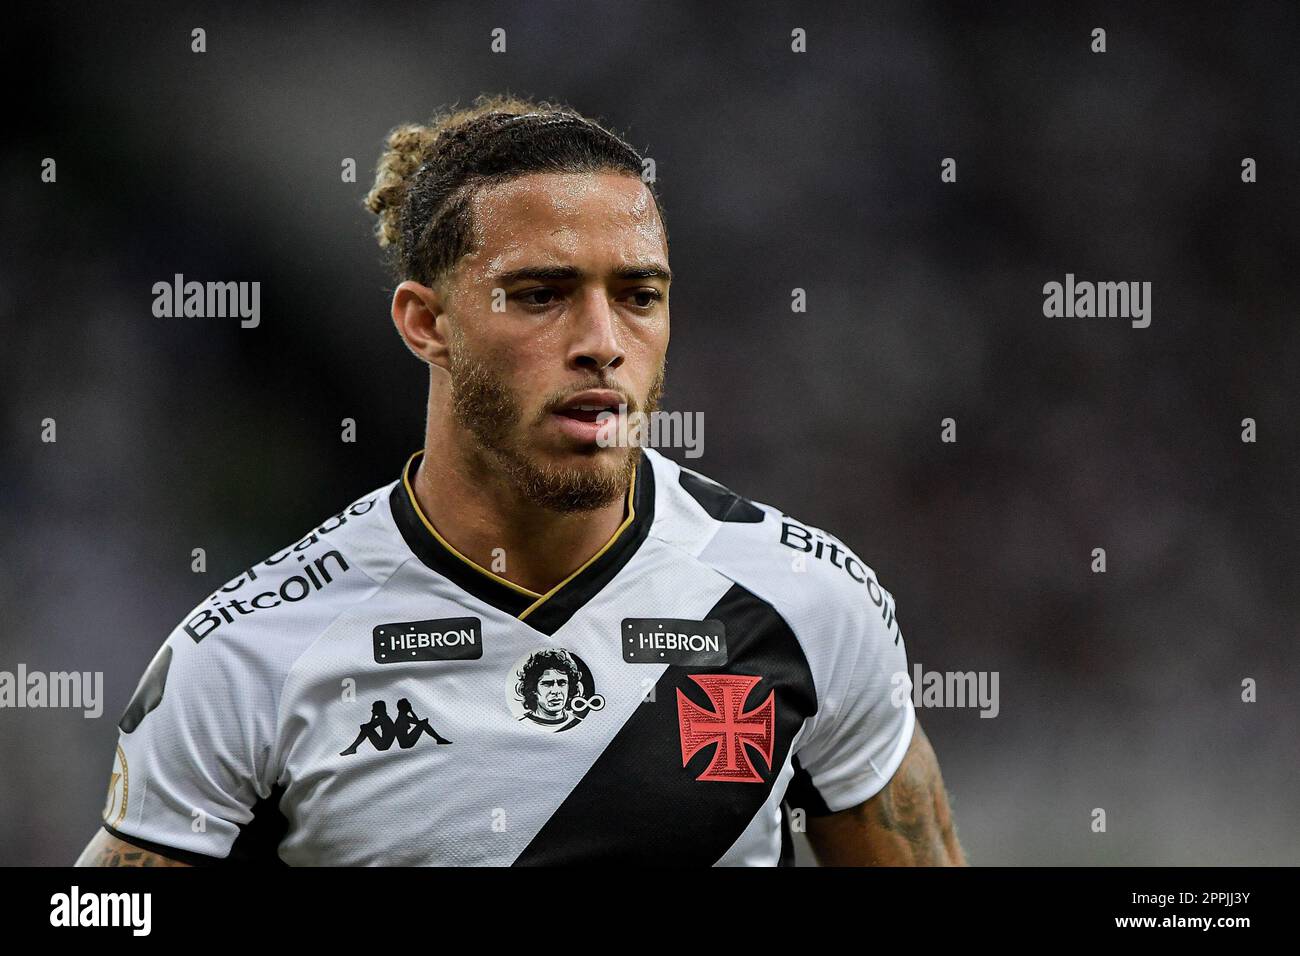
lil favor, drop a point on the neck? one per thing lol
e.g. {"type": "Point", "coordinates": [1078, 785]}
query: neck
{"type": "Point", "coordinates": [479, 512]}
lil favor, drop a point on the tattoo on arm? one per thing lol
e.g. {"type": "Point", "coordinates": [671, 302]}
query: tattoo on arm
{"type": "Point", "coordinates": [913, 809]}
{"type": "Point", "coordinates": [908, 823]}
{"type": "Point", "coordinates": [107, 850]}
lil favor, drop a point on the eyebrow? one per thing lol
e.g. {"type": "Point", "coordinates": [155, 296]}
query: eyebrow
{"type": "Point", "coordinates": [569, 273]}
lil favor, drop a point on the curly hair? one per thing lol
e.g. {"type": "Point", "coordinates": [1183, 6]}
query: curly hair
{"type": "Point", "coordinates": [429, 174]}
{"type": "Point", "coordinates": [538, 664]}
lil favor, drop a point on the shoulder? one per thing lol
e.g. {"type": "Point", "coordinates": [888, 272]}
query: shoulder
{"type": "Point", "coordinates": [821, 586]}
{"type": "Point", "coordinates": [232, 652]}
{"type": "Point", "coordinates": [202, 728]}
{"type": "Point", "coordinates": [271, 611]}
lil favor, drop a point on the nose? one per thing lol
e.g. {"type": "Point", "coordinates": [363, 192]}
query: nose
{"type": "Point", "coordinates": [595, 346]}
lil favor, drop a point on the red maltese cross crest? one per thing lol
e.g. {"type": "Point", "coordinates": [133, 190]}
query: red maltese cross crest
{"type": "Point", "coordinates": [728, 725]}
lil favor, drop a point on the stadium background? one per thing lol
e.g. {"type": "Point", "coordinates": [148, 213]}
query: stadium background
{"type": "Point", "coordinates": [818, 171]}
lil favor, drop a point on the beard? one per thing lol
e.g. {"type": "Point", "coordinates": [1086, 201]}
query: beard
{"type": "Point", "coordinates": [484, 404]}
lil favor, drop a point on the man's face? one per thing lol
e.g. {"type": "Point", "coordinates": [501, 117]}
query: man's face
{"type": "Point", "coordinates": [576, 267]}
{"type": "Point", "coordinates": [552, 693]}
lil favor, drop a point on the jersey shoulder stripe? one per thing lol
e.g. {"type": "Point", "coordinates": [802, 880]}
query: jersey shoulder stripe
{"type": "Point", "coordinates": [799, 568]}
{"type": "Point", "coordinates": [842, 620]}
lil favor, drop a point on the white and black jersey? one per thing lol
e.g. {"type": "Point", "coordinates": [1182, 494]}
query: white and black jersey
{"type": "Point", "coordinates": [370, 696]}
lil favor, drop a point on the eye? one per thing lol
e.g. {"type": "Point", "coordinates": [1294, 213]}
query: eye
{"type": "Point", "coordinates": [529, 297]}
{"type": "Point", "coordinates": [654, 295]}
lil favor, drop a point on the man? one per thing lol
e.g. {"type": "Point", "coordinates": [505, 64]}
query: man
{"type": "Point", "coordinates": [545, 682]}
{"type": "Point", "coordinates": [744, 659]}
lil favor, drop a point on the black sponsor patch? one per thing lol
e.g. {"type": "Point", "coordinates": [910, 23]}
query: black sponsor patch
{"type": "Point", "coordinates": [448, 639]}
{"type": "Point", "coordinates": [671, 640]}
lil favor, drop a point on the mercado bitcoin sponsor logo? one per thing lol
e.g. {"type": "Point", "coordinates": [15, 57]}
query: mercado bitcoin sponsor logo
{"type": "Point", "coordinates": [813, 542]}
{"type": "Point", "coordinates": [311, 577]}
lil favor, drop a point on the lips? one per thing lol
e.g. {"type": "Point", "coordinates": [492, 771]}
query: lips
{"type": "Point", "coordinates": [585, 406]}
{"type": "Point", "coordinates": [580, 416]}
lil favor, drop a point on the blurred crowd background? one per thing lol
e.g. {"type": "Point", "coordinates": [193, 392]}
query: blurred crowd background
{"type": "Point", "coordinates": [779, 170]}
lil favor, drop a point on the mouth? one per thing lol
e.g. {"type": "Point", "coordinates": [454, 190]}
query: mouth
{"type": "Point", "coordinates": [586, 415]}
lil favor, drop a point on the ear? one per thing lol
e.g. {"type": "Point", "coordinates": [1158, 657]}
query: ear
{"type": "Point", "coordinates": [420, 314]}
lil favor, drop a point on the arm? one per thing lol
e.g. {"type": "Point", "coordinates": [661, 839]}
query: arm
{"type": "Point", "coordinates": [104, 849]}
{"type": "Point", "coordinates": [907, 823]}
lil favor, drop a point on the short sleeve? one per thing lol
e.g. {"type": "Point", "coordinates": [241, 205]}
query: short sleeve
{"type": "Point", "coordinates": [859, 742]}
{"type": "Point", "coordinates": [193, 749]}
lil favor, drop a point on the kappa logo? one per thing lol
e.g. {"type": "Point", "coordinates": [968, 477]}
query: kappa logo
{"type": "Point", "coordinates": [728, 726]}
{"type": "Point", "coordinates": [381, 730]}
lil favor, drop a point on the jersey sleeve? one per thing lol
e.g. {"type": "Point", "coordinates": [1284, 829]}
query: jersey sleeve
{"type": "Point", "coordinates": [193, 748]}
{"type": "Point", "coordinates": [859, 742]}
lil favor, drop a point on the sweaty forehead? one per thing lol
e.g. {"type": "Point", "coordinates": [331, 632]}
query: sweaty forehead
{"type": "Point", "coordinates": [560, 214]}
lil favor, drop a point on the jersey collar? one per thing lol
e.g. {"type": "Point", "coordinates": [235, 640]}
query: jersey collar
{"type": "Point", "coordinates": [544, 612]}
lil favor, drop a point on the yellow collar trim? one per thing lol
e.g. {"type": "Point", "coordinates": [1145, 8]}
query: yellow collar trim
{"type": "Point", "coordinates": [447, 544]}
{"type": "Point", "coordinates": [540, 599]}
{"type": "Point", "coordinates": [627, 522]}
